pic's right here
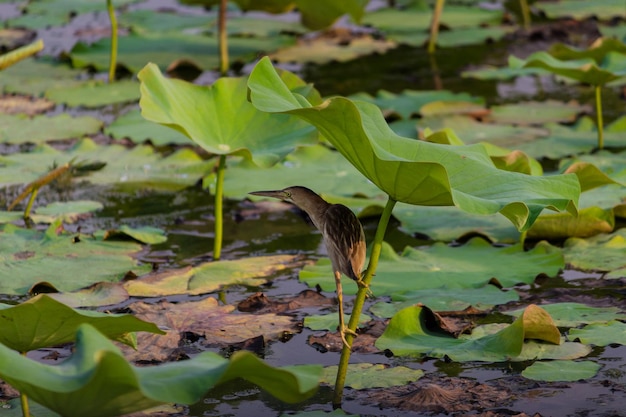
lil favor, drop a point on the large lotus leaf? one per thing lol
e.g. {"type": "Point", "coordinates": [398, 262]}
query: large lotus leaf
{"type": "Point", "coordinates": [584, 70]}
{"type": "Point", "coordinates": [133, 126]}
{"type": "Point", "coordinates": [97, 381]}
{"type": "Point", "coordinates": [472, 265]}
{"type": "Point", "coordinates": [316, 167]}
{"type": "Point", "coordinates": [220, 119]}
{"type": "Point", "coordinates": [135, 50]}
{"type": "Point", "coordinates": [581, 9]}
{"type": "Point", "coordinates": [604, 252]}
{"type": "Point", "coordinates": [138, 168]}
{"type": "Point", "coordinates": [575, 314]}
{"type": "Point", "coordinates": [407, 334]}
{"type": "Point", "coordinates": [44, 322]}
{"type": "Point", "coordinates": [209, 276]}
{"type": "Point", "coordinates": [369, 375]}
{"type": "Point", "coordinates": [417, 172]}
{"type": "Point", "coordinates": [21, 129]}
{"type": "Point", "coordinates": [561, 370]}
{"type": "Point", "coordinates": [600, 334]}
{"type": "Point", "coordinates": [95, 94]}
{"type": "Point", "coordinates": [410, 102]}
{"type": "Point", "coordinates": [66, 261]}
{"type": "Point", "coordinates": [446, 299]}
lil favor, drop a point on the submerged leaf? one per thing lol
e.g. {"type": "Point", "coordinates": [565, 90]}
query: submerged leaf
{"type": "Point", "coordinates": [75, 387]}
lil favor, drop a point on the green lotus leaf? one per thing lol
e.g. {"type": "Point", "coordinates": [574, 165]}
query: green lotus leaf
{"type": "Point", "coordinates": [97, 381]}
{"type": "Point", "coordinates": [417, 172]}
{"type": "Point", "coordinates": [580, 10]}
{"type": "Point", "coordinates": [532, 112]}
{"type": "Point", "coordinates": [469, 266]}
{"type": "Point", "coordinates": [561, 370]}
{"type": "Point", "coordinates": [44, 322]}
{"type": "Point", "coordinates": [34, 77]}
{"type": "Point", "coordinates": [220, 119]}
{"type": "Point", "coordinates": [20, 129]}
{"type": "Point", "coordinates": [597, 51]}
{"type": "Point", "coordinates": [95, 94]}
{"type": "Point", "coordinates": [134, 127]}
{"type": "Point", "coordinates": [600, 334]}
{"type": "Point", "coordinates": [68, 212]}
{"type": "Point", "coordinates": [408, 334]}
{"type": "Point", "coordinates": [604, 252]}
{"type": "Point", "coordinates": [146, 234]}
{"type": "Point", "coordinates": [575, 314]}
{"type": "Point", "coordinates": [590, 222]}
{"type": "Point", "coordinates": [31, 256]}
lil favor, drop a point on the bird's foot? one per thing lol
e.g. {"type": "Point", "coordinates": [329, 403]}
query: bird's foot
{"type": "Point", "coordinates": [343, 332]}
{"type": "Point", "coordinates": [362, 285]}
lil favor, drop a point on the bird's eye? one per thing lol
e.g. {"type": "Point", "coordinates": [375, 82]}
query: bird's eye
{"type": "Point", "coordinates": [287, 194]}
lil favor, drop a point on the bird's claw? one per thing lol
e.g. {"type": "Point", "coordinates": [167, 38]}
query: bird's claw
{"type": "Point", "coordinates": [343, 332]}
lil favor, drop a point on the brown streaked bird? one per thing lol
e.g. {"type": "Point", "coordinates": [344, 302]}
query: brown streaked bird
{"type": "Point", "coordinates": [343, 237]}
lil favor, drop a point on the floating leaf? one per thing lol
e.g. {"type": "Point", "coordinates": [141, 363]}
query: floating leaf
{"type": "Point", "coordinates": [31, 256]}
{"type": "Point", "coordinates": [472, 265]}
{"type": "Point", "coordinates": [44, 322]}
{"type": "Point", "coordinates": [536, 112]}
{"type": "Point", "coordinates": [603, 252]}
{"type": "Point", "coordinates": [225, 123]}
{"type": "Point", "coordinates": [417, 172]}
{"type": "Point", "coordinates": [209, 276]}
{"type": "Point", "coordinates": [580, 10]}
{"type": "Point", "coordinates": [369, 375]}
{"type": "Point", "coordinates": [575, 314]}
{"type": "Point", "coordinates": [96, 295]}
{"type": "Point", "coordinates": [600, 334]}
{"type": "Point", "coordinates": [68, 212]}
{"type": "Point", "coordinates": [561, 370]}
{"type": "Point", "coordinates": [146, 234]}
{"type": "Point", "coordinates": [74, 388]}
{"type": "Point", "coordinates": [20, 129]}
{"type": "Point", "coordinates": [590, 222]}
{"type": "Point", "coordinates": [95, 94]}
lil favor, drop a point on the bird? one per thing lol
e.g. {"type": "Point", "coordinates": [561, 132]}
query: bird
{"type": "Point", "coordinates": [343, 237]}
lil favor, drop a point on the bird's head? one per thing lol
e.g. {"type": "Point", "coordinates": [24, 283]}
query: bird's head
{"type": "Point", "coordinates": [302, 197]}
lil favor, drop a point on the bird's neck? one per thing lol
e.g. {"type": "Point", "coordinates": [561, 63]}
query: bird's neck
{"type": "Point", "coordinates": [316, 208]}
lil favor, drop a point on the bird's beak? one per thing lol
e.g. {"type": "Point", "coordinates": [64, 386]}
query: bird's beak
{"type": "Point", "coordinates": [279, 194]}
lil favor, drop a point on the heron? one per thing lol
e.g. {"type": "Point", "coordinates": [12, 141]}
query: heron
{"type": "Point", "coordinates": [343, 237]}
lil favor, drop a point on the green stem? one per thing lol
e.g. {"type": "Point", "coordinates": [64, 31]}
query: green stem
{"type": "Point", "coordinates": [360, 299]}
{"type": "Point", "coordinates": [29, 206]}
{"type": "Point", "coordinates": [113, 56]}
{"type": "Point", "coordinates": [24, 401]}
{"type": "Point", "coordinates": [525, 13]}
{"type": "Point", "coordinates": [434, 26]}
{"type": "Point", "coordinates": [222, 38]}
{"type": "Point", "coordinates": [219, 196]}
{"type": "Point", "coordinates": [599, 117]}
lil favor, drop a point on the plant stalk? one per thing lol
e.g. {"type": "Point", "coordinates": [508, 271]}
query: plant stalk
{"type": "Point", "coordinates": [525, 13]}
{"type": "Point", "coordinates": [219, 197]}
{"type": "Point", "coordinates": [31, 200]}
{"type": "Point", "coordinates": [113, 55]}
{"type": "Point", "coordinates": [434, 26]}
{"type": "Point", "coordinates": [222, 38]}
{"type": "Point", "coordinates": [359, 301]}
{"type": "Point", "coordinates": [600, 122]}
{"type": "Point", "coordinates": [24, 401]}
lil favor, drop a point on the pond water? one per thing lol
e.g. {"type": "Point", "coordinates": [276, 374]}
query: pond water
{"type": "Point", "coordinates": [252, 230]}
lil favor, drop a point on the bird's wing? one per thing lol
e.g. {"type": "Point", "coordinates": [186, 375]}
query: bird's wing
{"type": "Point", "coordinates": [345, 240]}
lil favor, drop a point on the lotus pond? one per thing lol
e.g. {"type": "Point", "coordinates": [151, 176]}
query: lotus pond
{"type": "Point", "coordinates": [489, 177]}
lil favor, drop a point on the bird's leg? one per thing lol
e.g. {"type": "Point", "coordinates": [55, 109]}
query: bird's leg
{"type": "Point", "coordinates": [342, 326]}
{"type": "Point", "coordinates": [361, 284]}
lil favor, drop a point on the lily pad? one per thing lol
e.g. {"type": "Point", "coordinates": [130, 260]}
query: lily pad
{"type": "Point", "coordinates": [74, 388]}
{"type": "Point", "coordinates": [146, 234]}
{"type": "Point", "coordinates": [561, 370]}
{"type": "Point", "coordinates": [31, 256]}
{"type": "Point", "coordinates": [68, 212]}
{"type": "Point", "coordinates": [472, 265]}
{"type": "Point", "coordinates": [600, 334]}
{"type": "Point", "coordinates": [369, 375]}
{"type": "Point", "coordinates": [405, 169]}
{"type": "Point", "coordinates": [95, 94]}
{"type": "Point", "coordinates": [604, 252]}
{"type": "Point", "coordinates": [225, 123]}
{"type": "Point", "coordinates": [34, 77]}
{"type": "Point", "coordinates": [44, 322]}
{"type": "Point", "coordinates": [575, 314]}
{"type": "Point", "coordinates": [590, 222]}
{"type": "Point", "coordinates": [20, 129]}
{"type": "Point", "coordinates": [536, 112]}
{"type": "Point", "coordinates": [581, 9]}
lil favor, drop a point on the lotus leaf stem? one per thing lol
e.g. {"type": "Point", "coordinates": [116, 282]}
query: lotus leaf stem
{"type": "Point", "coordinates": [434, 26]}
{"type": "Point", "coordinates": [13, 57]}
{"type": "Point", "coordinates": [24, 401]}
{"type": "Point", "coordinates": [360, 299]}
{"type": "Point", "coordinates": [599, 117]}
{"type": "Point", "coordinates": [525, 13]}
{"type": "Point", "coordinates": [219, 196]}
{"type": "Point", "coordinates": [223, 38]}
{"type": "Point", "coordinates": [113, 55]}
